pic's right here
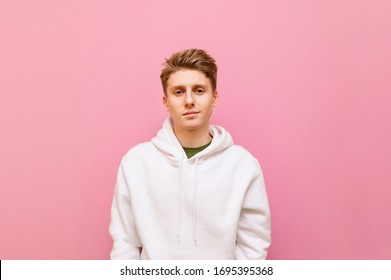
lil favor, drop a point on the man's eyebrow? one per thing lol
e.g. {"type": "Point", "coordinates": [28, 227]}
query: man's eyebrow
{"type": "Point", "coordinates": [174, 87]}
{"type": "Point", "coordinates": [200, 85]}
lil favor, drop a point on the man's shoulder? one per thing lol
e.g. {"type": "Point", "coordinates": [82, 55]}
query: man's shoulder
{"type": "Point", "coordinates": [245, 159]}
{"type": "Point", "coordinates": [138, 150]}
{"type": "Point", "coordinates": [240, 151]}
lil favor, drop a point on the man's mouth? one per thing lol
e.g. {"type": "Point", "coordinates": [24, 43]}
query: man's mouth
{"type": "Point", "coordinates": [190, 113]}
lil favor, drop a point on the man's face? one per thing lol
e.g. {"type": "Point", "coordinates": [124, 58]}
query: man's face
{"type": "Point", "coordinates": [189, 100]}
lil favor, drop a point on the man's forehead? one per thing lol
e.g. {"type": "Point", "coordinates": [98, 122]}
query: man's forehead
{"type": "Point", "coordinates": [188, 78]}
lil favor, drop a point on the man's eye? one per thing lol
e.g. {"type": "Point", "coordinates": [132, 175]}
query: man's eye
{"type": "Point", "coordinates": [200, 90]}
{"type": "Point", "coordinates": [178, 92]}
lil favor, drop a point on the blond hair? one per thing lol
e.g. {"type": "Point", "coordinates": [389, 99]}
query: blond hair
{"type": "Point", "coordinates": [193, 59]}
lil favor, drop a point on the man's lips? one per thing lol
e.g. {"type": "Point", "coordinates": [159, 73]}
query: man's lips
{"type": "Point", "coordinates": [190, 113]}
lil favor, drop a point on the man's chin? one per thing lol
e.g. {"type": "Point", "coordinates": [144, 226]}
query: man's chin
{"type": "Point", "coordinates": [191, 126]}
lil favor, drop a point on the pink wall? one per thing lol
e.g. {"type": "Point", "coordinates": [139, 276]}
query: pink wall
{"type": "Point", "coordinates": [304, 85]}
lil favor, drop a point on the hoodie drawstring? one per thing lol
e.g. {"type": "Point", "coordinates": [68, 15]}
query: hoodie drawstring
{"type": "Point", "coordinates": [179, 202]}
{"type": "Point", "coordinates": [195, 204]}
{"type": "Point", "coordinates": [179, 218]}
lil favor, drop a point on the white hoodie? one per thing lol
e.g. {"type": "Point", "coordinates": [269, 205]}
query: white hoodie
{"type": "Point", "coordinates": [211, 206]}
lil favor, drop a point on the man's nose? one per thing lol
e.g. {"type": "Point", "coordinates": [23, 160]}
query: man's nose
{"type": "Point", "coordinates": [189, 97]}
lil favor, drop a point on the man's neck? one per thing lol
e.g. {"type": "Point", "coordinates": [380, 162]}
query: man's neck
{"type": "Point", "coordinates": [193, 138]}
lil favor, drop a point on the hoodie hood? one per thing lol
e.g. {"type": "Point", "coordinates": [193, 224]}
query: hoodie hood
{"type": "Point", "coordinates": [167, 142]}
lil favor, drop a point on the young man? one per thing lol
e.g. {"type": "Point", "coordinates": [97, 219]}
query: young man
{"type": "Point", "coordinates": [190, 193]}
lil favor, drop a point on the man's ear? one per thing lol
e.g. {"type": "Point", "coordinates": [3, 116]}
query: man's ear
{"type": "Point", "coordinates": [164, 99]}
{"type": "Point", "coordinates": [216, 98]}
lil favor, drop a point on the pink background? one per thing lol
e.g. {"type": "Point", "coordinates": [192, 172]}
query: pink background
{"type": "Point", "coordinates": [304, 85]}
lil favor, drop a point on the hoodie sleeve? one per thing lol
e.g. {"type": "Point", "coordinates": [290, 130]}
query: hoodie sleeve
{"type": "Point", "coordinates": [253, 236]}
{"type": "Point", "coordinates": [126, 242]}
